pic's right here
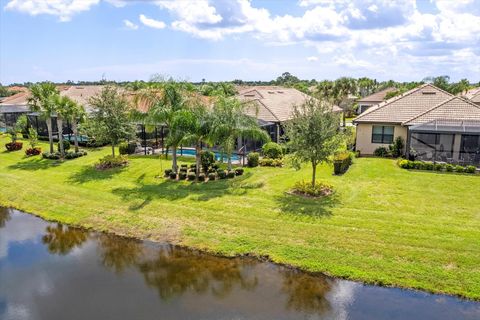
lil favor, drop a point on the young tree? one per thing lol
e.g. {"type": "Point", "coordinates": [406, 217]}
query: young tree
{"type": "Point", "coordinates": [42, 100]}
{"type": "Point", "coordinates": [75, 113]}
{"type": "Point", "coordinates": [110, 119]}
{"type": "Point", "coordinates": [313, 133]}
{"type": "Point", "coordinates": [231, 122]}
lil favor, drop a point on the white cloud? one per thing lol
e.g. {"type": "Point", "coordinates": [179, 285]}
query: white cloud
{"type": "Point", "coordinates": [152, 23]}
{"type": "Point", "coordinates": [64, 9]}
{"type": "Point", "coordinates": [130, 25]}
{"type": "Point", "coordinates": [312, 59]}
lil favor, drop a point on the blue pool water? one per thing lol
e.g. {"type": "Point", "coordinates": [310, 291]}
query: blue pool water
{"type": "Point", "coordinates": [192, 153]}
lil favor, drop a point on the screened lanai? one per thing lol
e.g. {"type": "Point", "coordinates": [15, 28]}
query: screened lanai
{"type": "Point", "coordinates": [450, 141]}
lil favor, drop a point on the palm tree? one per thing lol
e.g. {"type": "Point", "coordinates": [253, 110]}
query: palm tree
{"type": "Point", "coordinates": [198, 129]}
{"type": "Point", "coordinates": [75, 113]}
{"type": "Point", "coordinates": [166, 104]}
{"type": "Point", "coordinates": [231, 122]}
{"type": "Point", "coordinates": [42, 100]}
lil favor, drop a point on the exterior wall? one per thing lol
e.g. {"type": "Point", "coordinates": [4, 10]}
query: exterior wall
{"type": "Point", "coordinates": [364, 106]}
{"type": "Point", "coordinates": [364, 142]}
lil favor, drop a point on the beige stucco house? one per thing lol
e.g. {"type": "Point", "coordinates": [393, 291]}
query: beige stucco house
{"type": "Point", "coordinates": [435, 125]}
{"type": "Point", "coordinates": [371, 100]}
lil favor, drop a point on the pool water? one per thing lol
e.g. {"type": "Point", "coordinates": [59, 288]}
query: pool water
{"type": "Point", "coordinates": [53, 271]}
{"type": "Point", "coordinates": [218, 155]}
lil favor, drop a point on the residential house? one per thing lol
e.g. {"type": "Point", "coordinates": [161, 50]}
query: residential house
{"type": "Point", "coordinates": [435, 125]}
{"type": "Point", "coordinates": [373, 99]}
{"type": "Point", "coordinates": [473, 95]}
{"type": "Point", "coordinates": [273, 106]}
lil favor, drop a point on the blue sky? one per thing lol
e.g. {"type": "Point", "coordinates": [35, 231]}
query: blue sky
{"type": "Point", "coordinates": [404, 40]}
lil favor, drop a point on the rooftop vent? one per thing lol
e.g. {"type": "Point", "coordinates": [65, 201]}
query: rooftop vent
{"type": "Point", "coordinates": [429, 92]}
{"type": "Point", "coordinates": [280, 91]}
{"type": "Point", "coordinates": [249, 95]}
{"type": "Point", "coordinates": [271, 92]}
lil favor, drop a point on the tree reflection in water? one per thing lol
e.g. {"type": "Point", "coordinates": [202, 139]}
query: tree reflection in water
{"type": "Point", "coordinates": [61, 239]}
{"type": "Point", "coordinates": [306, 293]}
{"type": "Point", "coordinates": [119, 253]}
{"type": "Point", "coordinates": [176, 271]}
{"type": "Point", "coordinates": [4, 216]}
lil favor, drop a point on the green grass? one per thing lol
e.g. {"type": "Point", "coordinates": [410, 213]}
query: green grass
{"type": "Point", "coordinates": [383, 225]}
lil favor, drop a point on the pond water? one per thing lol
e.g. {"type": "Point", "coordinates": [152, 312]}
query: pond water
{"type": "Point", "coordinates": [52, 271]}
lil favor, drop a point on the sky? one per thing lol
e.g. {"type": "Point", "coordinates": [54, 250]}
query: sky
{"type": "Point", "coordinates": [221, 40]}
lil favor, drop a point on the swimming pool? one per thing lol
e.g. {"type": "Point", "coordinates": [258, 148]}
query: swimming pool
{"type": "Point", "coordinates": [192, 153]}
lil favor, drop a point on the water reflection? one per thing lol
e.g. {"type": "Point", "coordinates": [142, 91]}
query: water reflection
{"type": "Point", "coordinates": [61, 239]}
{"type": "Point", "coordinates": [4, 216]}
{"type": "Point", "coordinates": [46, 267]}
{"type": "Point", "coordinates": [173, 272]}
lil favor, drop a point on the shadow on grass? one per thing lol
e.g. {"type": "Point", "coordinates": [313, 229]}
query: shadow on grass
{"type": "Point", "coordinates": [301, 206]}
{"type": "Point", "coordinates": [33, 164]}
{"type": "Point", "coordinates": [89, 173]}
{"type": "Point", "coordinates": [144, 193]}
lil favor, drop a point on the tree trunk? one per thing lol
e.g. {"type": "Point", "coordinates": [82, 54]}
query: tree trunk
{"type": "Point", "coordinates": [229, 159]}
{"type": "Point", "coordinates": [174, 158]}
{"type": "Point", "coordinates": [75, 133]}
{"type": "Point", "coordinates": [198, 158]}
{"type": "Point", "coordinates": [113, 149]}
{"type": "Point", "coordinates": [60, 135]}
{"type": "Point", "coordinates": [50, 133]}
{"type": "Point", "coordinates": [314, 173]}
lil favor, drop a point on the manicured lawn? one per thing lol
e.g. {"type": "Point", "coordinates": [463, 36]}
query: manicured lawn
{"type": "Point", "coordinates": [383, 225]}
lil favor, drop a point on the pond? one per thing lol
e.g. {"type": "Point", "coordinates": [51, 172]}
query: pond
{"type": "Point", "coordinates": [52, 271]}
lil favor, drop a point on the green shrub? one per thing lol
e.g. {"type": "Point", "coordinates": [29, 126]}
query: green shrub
{"type": "Point", "coordinates": [231, 174]}
{"type": "Point", "coordinates": [266, 162]}
{"type": "Point", "coordinates": [207, 159]}
{"type": "Point", "coordinates": [51, 156]}
{"type": "Point", "coordinates": [471, 169]}
{"type": "Point", "coordinates": [397, 147]}
{"type": "Point", "coordinates": [439, 167]}
{"type": "Point", "coordinates": [222, 174]}
{"type": "Point", "coordinates": [183, 169]}
{"type": "Point", "coordinates": [182, 175]}
{"type": "Point", "coordinates": [193, 166]}
{"type": "Point", "coordinates": [306, 188]}
{"type": "Point", "coordinates": [428, 166]}
{"type": "Point", "coordinates": [272, 150]}
{"type": "Point", "coordinates": [252, 159]}
{"type": "Point", "coordinates": [342, 161]}
{"type": "Point", "coordinates": [215, 166]}
{"type": "Point", "coordinates": [201, 177]}
{"type": "Point", "coordinates": [212, 176]}
{"type": "Point", "coordinates": [172, 175]}
{"type": "Point", "coordinates": [66, 145]}
{"type": "Point", "coordinates": [405, 164]}
{"type": "Point", "coordinates": [127, 148]}
{"type": "Point", "coordinates": [459, 169]}
{"type": "Point", "coordinates": [167, 172]}
{"type": "Point", "coordinates": [418, 165]}
{"type": "Point", "coordinates": [381, 152]}
{"type": "Point", "coordinates": [110, 161]}
{"type": "Point", "coordinates": [449, 167]}
{"type": "Point", "coordinates": [239, 171]}
{"type": "Point", "coordinates": [191, 176]}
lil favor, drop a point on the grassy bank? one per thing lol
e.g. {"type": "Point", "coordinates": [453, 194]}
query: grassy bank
{"type": "Point", "coordinates": [383, 225]}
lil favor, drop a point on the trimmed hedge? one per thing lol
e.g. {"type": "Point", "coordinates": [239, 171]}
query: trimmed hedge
{"type": "Point", "coordinates": [421, 165]}
{"type": "Point", "coordinates": [272, 150]}
{"type": "Point", "coordinates": [268, 162]}
{"type": "Point", "coordinates": [127, 148]}
{"type": "Point", "coordinates": [252, 159]}
{"type": "Point", "coordinates": [341, 162]}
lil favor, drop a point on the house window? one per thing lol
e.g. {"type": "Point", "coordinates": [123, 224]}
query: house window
{"type": "Point", "coordinates": [382, 134]}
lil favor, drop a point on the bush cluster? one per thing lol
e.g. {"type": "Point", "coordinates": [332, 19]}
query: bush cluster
{"type": "Point", "coordinates": [252, 159]}
{"type": "Point", "coordinates": [268, 162]}
{"type": "Point", "coordinates": [74, 155]}
{"type": "Point", "coordinates": [306, 188]}
{"type": "Point", "coordinates": [272, 150]}
{"type": "Point", "coordinates": [381, 152]}
{"type": "Point", "coordinates": [421, 165]}
{"type": "Point", "coordinates": [342, 161]}
{"type": "Point", "coordinates": [110, 161]}
{"type": "Point", "coordinates": [14, 146]}
{"type": "Point", "coordinates": [66, 145]}
{"type": "Point", "coordinates": [51, 156]}
{"type": "Point", "coordinates": [207, 159]}
{"type": "Point", "coordinates": [394, 150]}
{"type": "Point", "coordinates": [33, 151]}
{"type": "Point", "coordinates": [127, 148]}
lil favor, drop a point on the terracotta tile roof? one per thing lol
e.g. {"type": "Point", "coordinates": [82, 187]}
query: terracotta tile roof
{"type": "Point", "coordinates": [377, 97]}
{"type": "Point", "coordinates": [406, 106]}
{"type": "Point", "coordinates": [273, 103]}
{"type": "Point", "coordinates": [473, 95]}
{"type": "Point", "coordinates": [455, 108]}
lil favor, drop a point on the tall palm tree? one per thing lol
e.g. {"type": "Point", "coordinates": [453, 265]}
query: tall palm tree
{"type": "Point", "coordinates": [198, 130]}
{"type": "Point", "coordinates": [231, 122]}
{"type": "Point", "coordinates": [42, 100]}
{"type": "Point", "coordinates": [62, 105]}
{"type": "Point", "coordinates": [75, 113]}
{"type": "Point", "coordinates": [165, 105]}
